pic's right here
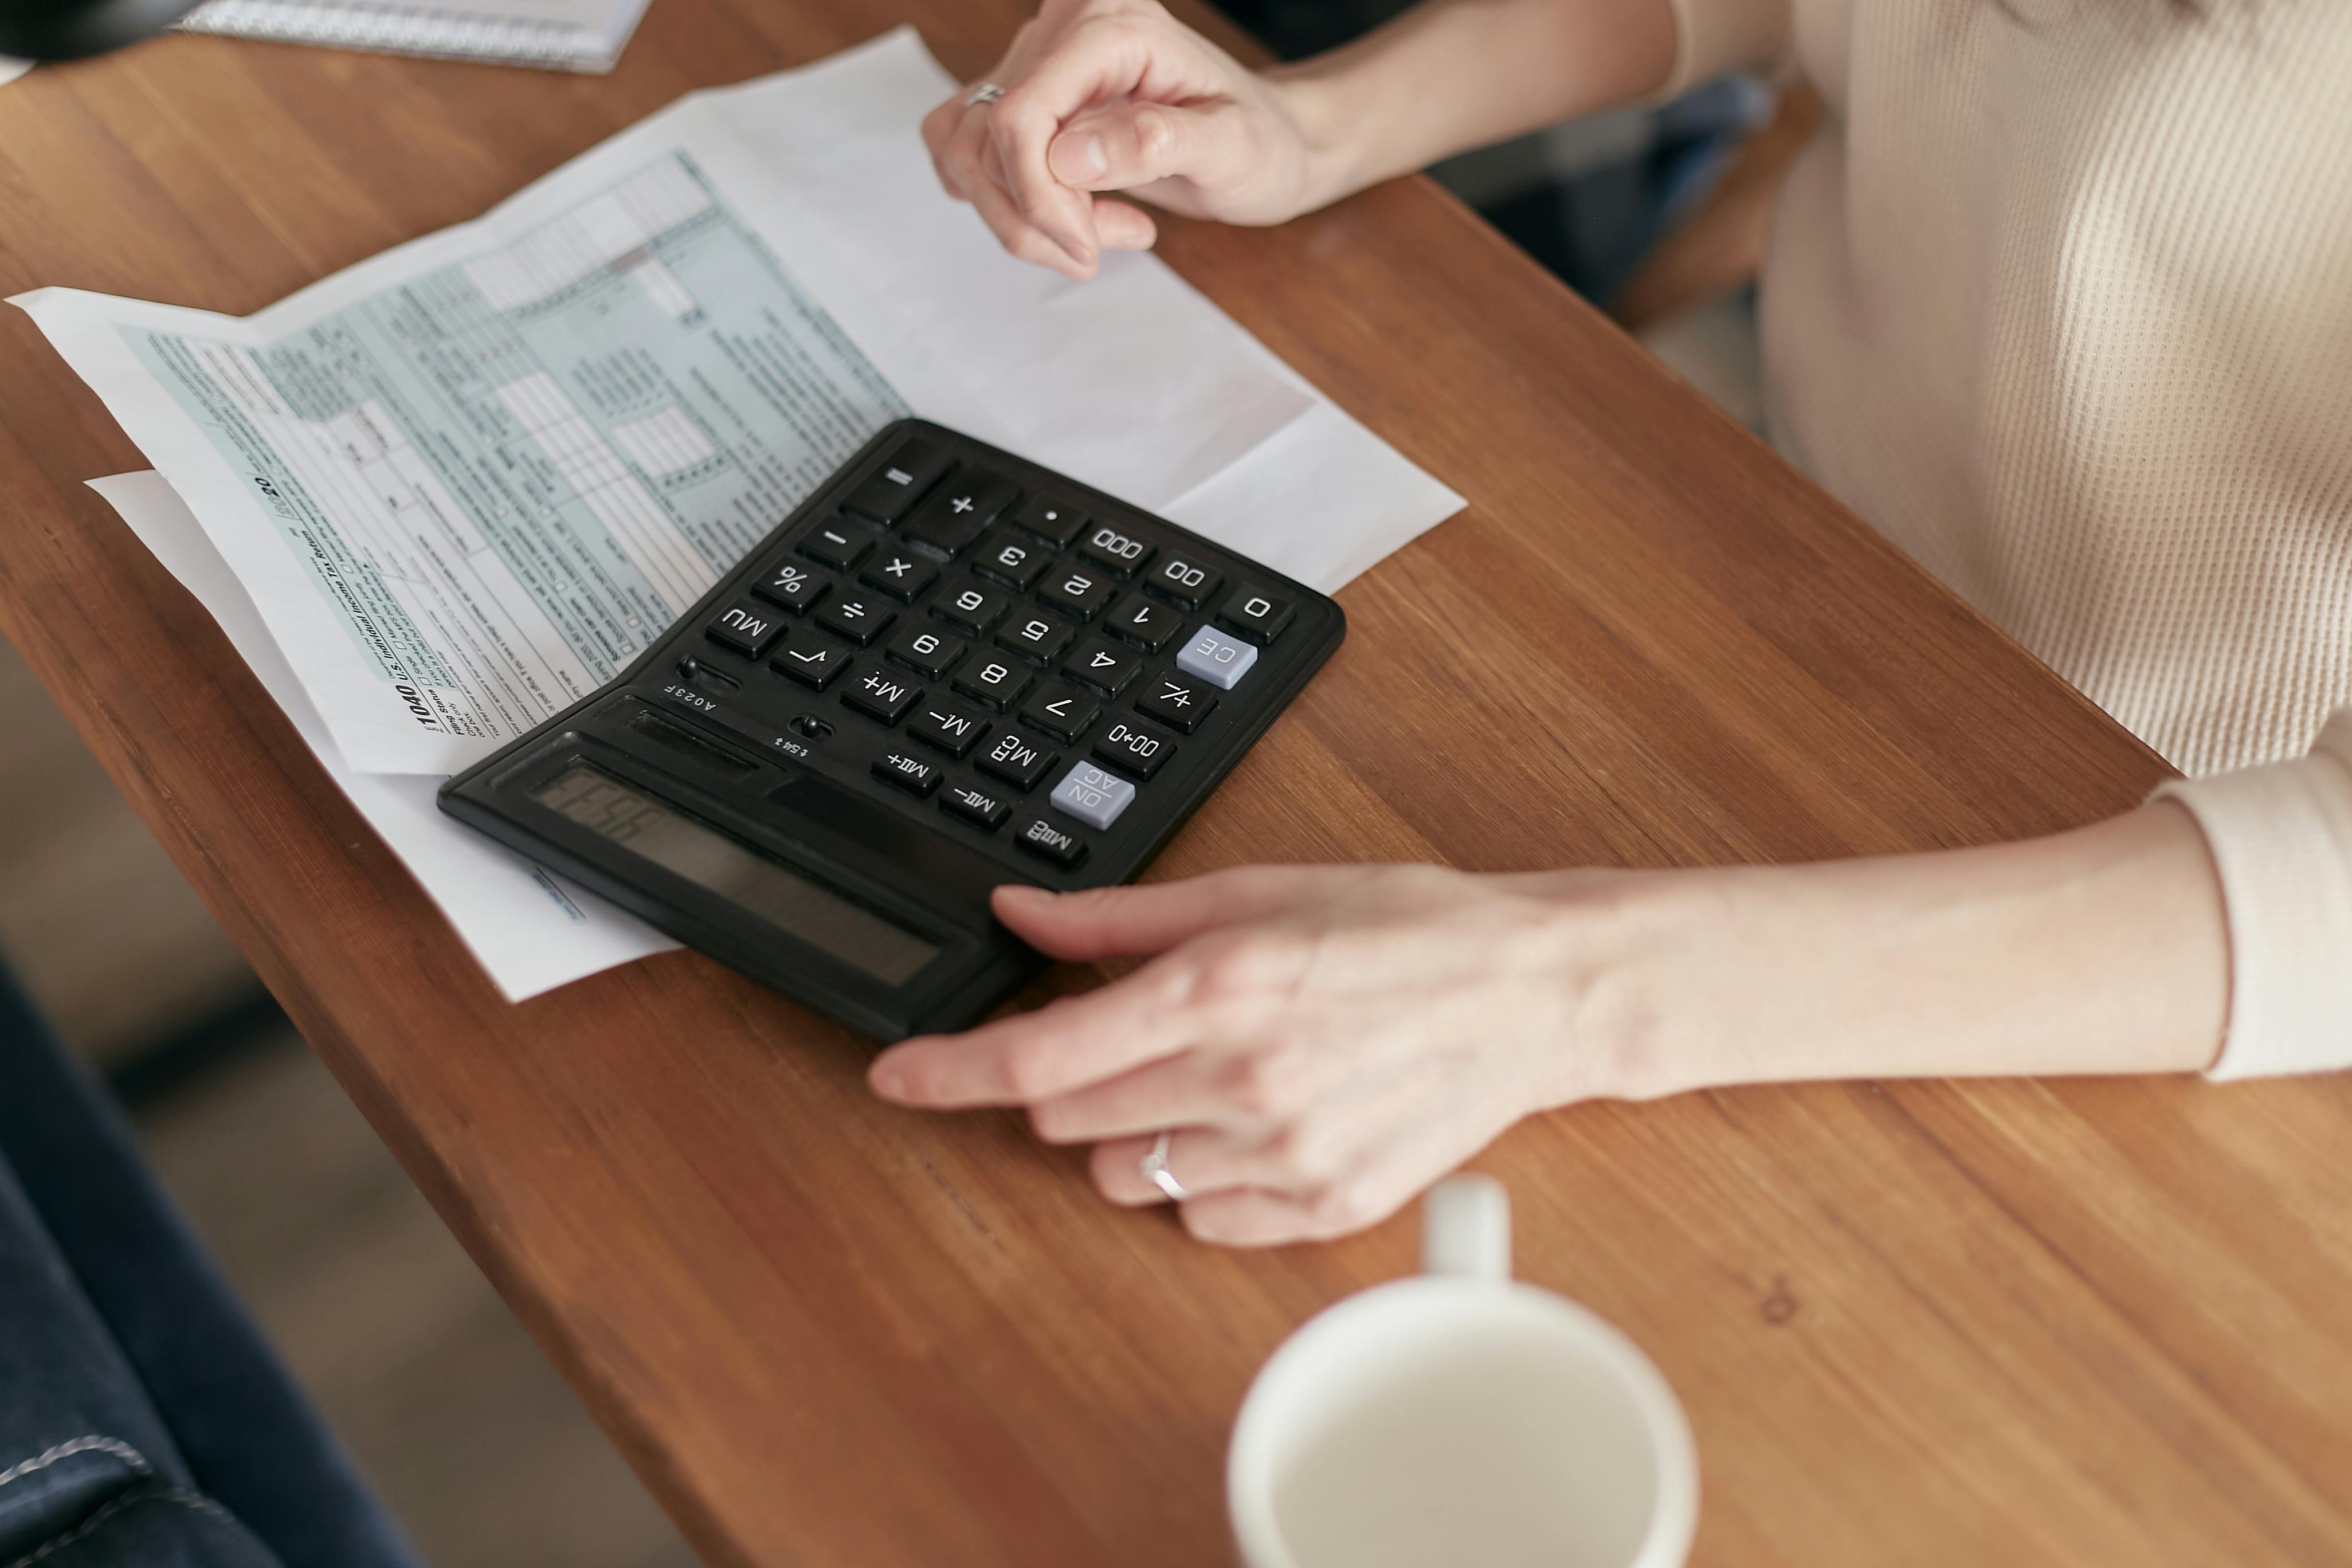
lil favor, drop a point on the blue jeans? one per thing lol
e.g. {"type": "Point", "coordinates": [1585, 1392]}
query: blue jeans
{"type": "Point", "coordinates": [142, 1420]}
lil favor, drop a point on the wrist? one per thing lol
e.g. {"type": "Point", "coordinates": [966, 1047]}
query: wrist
{"type": "Point", "coordinates": [1326, 111]}
{"type": "Point", "coordinates": [1611, 947]}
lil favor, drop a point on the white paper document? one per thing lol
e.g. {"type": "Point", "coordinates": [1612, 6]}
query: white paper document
{"type": "Point", "coordinates": [467, 481]}
{"type": "Point", "coordinates": [459, 485]}
{"type": "Point", "coordinates": [532, 929]}
{"type": "Point", "coordinates": [567, 35]}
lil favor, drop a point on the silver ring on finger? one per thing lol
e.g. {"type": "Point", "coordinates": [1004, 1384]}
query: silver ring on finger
{"type": "Point", "coordinates": [1154, 1166]}
{"type": "Point", "coordinates": [983, 94]}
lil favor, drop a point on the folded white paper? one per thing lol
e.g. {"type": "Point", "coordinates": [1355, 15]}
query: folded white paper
{"type": "Point", "coordinates": [464, 481]}
{"type": "Point", "coordinates": [532, 929]}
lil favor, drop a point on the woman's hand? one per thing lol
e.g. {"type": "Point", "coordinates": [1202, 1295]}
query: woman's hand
{"type": "Point", "coordinates": [1116, 95]}
{"type": "Point", "coordinates": [1327, 1042]}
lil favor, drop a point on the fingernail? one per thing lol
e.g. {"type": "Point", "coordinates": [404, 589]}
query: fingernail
{"type": "Point", "coordinates": [1085, 160]}
{"type": "Point", "coordinates": [1022, 893]}
{"type": "Point", "coordinates": [887, 1080]}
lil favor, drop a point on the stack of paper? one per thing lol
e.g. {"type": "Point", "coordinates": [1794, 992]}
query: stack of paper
{"type": "Point", "coordinates": [440, 496]}
{"type": "Point", "coordinates": [565, 35]}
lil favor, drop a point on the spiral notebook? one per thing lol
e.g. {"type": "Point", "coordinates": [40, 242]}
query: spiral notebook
{"type": "Point", "coordinates": [557, 35]}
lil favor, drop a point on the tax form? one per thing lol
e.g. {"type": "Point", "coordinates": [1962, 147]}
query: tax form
{"type": "Point", "coordinates": [462, 483]}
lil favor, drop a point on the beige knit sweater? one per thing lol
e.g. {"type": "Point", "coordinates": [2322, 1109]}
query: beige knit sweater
{"type": "Point", "coordinates": [2061, 299]}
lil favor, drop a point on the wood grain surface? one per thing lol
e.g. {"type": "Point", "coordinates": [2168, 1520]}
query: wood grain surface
{"type": "Point", "coordinates": [1951, 1324]}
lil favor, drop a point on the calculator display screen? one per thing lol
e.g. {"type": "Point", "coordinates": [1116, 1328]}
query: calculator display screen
{"type": "Point", "coordinates": [759, 886]}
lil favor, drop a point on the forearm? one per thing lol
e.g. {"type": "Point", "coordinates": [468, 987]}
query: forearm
{"type": "Point", "coordinates": [2099, 950]}
{"type": "Point", "coordinates": [1451, 75]}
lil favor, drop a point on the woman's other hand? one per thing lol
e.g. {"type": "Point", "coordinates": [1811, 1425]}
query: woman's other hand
{"type": "Point", "coordinates": [1116, 95]}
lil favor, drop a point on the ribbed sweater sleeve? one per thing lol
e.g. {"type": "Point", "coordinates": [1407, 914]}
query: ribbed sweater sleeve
{"type": "Point", "coordinates": [1712, 36]}
{"type": "Point", "coordinates": [2282, 840]}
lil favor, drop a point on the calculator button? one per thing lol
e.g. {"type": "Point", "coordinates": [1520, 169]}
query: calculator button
{"type": "Point", "coordinates": [878, 694]}
{"type": "Point", "coordinates": [1080, 592]}
{"type": "Point", "coordinates": [1042, 838]}
{"type": "Point", "coordinates": [909, 773]}
{"type": "Point", "coordinates": [978, 806]}
{"type": "Point", "coordinates": [971, 605]}
{"type": "Point", "coordinates": [860, 617]}
{"type": "Point", "coordinates": [947, 727]}
{"type": "Point", "coordinates": [1062, 711]}
{"type": "Point", "coordinates": [836, 545]}
{"type": "Point", "coordinates": [959, 510]}
{"type": "Point", "coordinates": [1122, 553]}
{"type": "Point", "coordinates": [1172, 700]}
{"type": "Point", "coordinates": [925, 649]}
{"type": "Point", "coordinates": [1092, 796]}
{"type": "Point", "coordinates": [747, 626]}
{"type": "Point", "coordinates": [1146, 624]}
{"type": "Point", "coordinates": [1016, 759]}
{"type": "Point", "coordinates": [891, 492]}
{"type": "Point", "coordinates": [899, 574]}
{"type": "Point", "coordinates": [1103, 665]}
{"type": "Point", "coordinates": [790, 584]}
{"type": "Point", "coordinates": [1257, 617]}
{"type": "Point", "coordinates": [1009, 558]}
{"type": "Point", "coordinates": [816, 664]}
{"type": "Point", "coordinates": [1050, 519]}
{"type": "Point", "coordinates": [1183, 582]}
{"type": "Point", "coordinates": [997, 683]}
{"type": "Point", "coordinates": [1133, 749]}
{"type": "Point", "coordinates": [1034, 637]}
{"type": "Point", "coordinates": [1216, 658]}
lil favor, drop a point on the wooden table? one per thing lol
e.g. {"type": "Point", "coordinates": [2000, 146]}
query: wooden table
{"type": "Point", "coordinates": [1932, 1324]}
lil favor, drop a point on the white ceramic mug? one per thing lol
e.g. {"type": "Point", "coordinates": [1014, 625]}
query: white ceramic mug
{"type": "Point", "coordinates": [1457, 1419]}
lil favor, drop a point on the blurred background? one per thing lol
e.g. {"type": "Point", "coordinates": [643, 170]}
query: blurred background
{"type": "Point", "coordinates": [471, 1438]}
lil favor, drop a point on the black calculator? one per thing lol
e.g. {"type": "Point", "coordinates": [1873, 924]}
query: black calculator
{"type": "Point", "coordinates": [948, 670]}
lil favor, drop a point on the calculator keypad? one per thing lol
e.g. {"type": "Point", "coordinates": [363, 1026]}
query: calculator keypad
{"type": "Point", "coordinates": [899, 573]}
{"type": "Point", "coordinates": [1079, 592]}
{"type": "Point", "coordinates": [747, 626]}
{"type": "Point", "coordinates": [1184, 583]}
{"type": "Point", "coordinates": [1102, 666]}
{"type": "Point", "coordinates": [1017, 760]}
{"type": "Point", "coordinates": [860, 617]}
{"type": "Point", "coordinates": [1176, 701]}
{"type": "Point", "coordinates": [1134, 748]}
{"type": "Point", "coordinates": [835, 544]}
{"type": "Point", "coordinates": [789, 583]}
{"type": "Point", "coordinates": [994, 682]}
{"type": "Point", "coordinates": [960, 509]}
{"type": "Point", "coordinates": [1040, 638]}
{"type": "Point", "coordinates": [926, 649]}
{"type": "Point", "coordinates": [1062, 711]}
{"type": "Point", "coordinates": [1258, 616]}
{"type": "Point", "coordinates": [1143, 622]}
{"type": "Point", "coordinates": [812, 663]}
{"type": "Point", "coordinates": [1092, 796]}
{"type": "Point", "coordinates": [948, 727]}
{"type": "Point", "coordinates": [878, 694]}
{"type": "Point", "coordinates": [1216, 658]}
{"type": "Point", "coordinates": [910, 470]}
{"type": "Point", "coordinates": [1010, 642]}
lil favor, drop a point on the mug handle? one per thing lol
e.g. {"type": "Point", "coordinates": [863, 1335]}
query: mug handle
{"type": "Point", "coordinates": [1465, 1230]}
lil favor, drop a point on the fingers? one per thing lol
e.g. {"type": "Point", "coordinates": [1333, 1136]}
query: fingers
{"type": "Point", "coordinates": [965, 158]}
{"type": "Point", "coordinates": [1031, 1057]}
{"type": "Point", "coordinates": [1021, 126]}
{"type": "Point", "coordinates": [1121, 227]}
{"type": "Point", "coordinates": [1203, 1160]}
{"type": "Point", "coordinates": [1138, 144]}
{"type": "Point", "coordinates": [1141, 920]}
